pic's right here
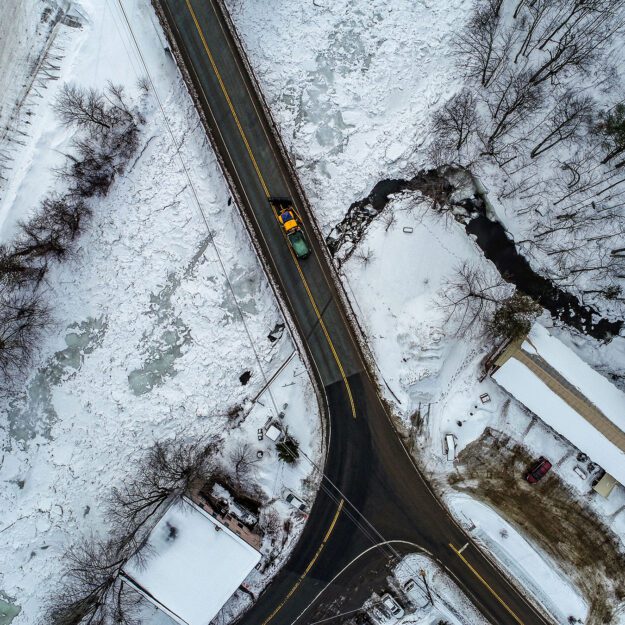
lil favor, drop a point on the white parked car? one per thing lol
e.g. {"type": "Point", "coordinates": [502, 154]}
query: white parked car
{"type": "Point", "coordinates": [295, 501]}
{"type": "Point", "coordinates": [415, 593]}
{"type": "Point", "coordinates": [392, 606]}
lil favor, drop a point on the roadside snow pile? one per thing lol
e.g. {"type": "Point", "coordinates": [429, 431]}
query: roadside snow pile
{"type": "Point", "coordinates": [538, 574]}
{"type": "Point", "coordinates": [148, 342]}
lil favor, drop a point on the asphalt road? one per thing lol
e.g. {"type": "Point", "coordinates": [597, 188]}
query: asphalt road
{"type": "Point", "coordinates": [372, 491]}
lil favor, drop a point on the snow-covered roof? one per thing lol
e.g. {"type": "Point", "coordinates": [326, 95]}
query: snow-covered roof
{"type": "Point", "coordinates": [273, 433]}
{"type": "Point", "coordinates": [191, 565]}
{"type": "Point", "coordinates": [570, 396]}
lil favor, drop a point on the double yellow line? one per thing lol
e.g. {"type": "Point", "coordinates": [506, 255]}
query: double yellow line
{"type": "Point", "coordinates": [308, 291]}
{"type": "Point", "coordinates": [508, 609]}
{"type": "Point", "coordinates": [310, 565]}
{"type": "Point", "coordinates": [268, 195]}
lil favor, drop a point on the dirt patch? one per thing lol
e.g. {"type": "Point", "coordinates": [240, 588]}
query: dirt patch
{"type": "Point", "coordinates": [491, 469]}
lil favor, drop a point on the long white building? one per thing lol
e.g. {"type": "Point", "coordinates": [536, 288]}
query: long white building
{"type": "Point", "coordinates": [568, 395]}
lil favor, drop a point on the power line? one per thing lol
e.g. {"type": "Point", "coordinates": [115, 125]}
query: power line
{"type": "Point", "coordinates": [367, 528]}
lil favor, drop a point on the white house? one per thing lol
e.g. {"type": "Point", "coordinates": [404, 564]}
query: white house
{"type": "Point", "coordinates": [191, 565]}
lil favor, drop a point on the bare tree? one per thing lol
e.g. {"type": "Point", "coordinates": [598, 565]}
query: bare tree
{"type": "Point", "coordinates": [364, 256]}
{"type": "Point", "coordinates": [483, 45]}
{"type": "Point", "coordinates": [23, 317]}
{"type": "Point", "coordinates": [17, 271]}
{"type": "Point", "coordinates": [531, 15]}
{"type": "Point", "coordinates": [576, 36]}
{"type": "Point", "coordinates": [571, 114]}
{"type": "Point", "coordinates": [169, 469]}
{"type": "Point", "coordinates": [93, 593]}
{"type": "Point", "coordinates": [457, 120]}
{"type": "Point", "coordinates": [388, 218]}
{"type": "Point", "coordinates": [110, 135]}
{"type": "Point", "coordinates": [96, 112]}
{"type": "Point", "coordinates": [611, 129]}
{"type": "Point", "coordinates": [470, 297]}
{"type": "Point", "coordinates": [242, 458]}
{"type": "Point", "coordinates": [512, 98]}
{"type": "Point", "coordinates": [52, 230]}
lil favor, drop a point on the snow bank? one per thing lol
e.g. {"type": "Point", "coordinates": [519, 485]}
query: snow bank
{"type": "Point", "coordinates": [538, 573]}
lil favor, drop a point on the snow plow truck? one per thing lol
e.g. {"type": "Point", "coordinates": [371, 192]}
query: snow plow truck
{"type": "Point", "coordinates": [290, 222]}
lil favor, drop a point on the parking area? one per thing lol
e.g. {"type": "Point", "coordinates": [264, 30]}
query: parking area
{"type": "Point", "coordinates": [549, 514]}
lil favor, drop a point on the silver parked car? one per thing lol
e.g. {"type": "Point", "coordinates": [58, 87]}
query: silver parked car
{"type": "Point", "coordinates": [392, 606]}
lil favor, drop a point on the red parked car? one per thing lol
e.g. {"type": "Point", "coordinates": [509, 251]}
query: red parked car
{"type": "Point", "coordinates": [538, 471]}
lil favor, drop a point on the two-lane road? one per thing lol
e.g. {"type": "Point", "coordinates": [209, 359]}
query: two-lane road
{"type": "Point", "coordinates": [372, 491]}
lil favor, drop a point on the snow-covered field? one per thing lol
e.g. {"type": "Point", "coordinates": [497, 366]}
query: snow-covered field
{"type": "Point", "coordinates": [148, 340]}
{"type": "Point", "coordinates": [353, 87]}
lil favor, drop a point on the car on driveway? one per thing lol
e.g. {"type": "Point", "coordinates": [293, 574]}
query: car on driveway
{"type": "Point", "coordinates": [392, 606]}
{"type": "Point", "coordinates": [538, 471]}
{"type": "Point", "coordinates": [295, 501]}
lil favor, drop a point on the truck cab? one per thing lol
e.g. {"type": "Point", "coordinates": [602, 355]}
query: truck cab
{"type": "Point", "coordinates": [290, 222]}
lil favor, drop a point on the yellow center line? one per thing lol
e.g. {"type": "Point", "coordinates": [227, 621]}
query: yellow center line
{"type": "Point", "coordinates": [486, 584]}
{"type": "Point", "coordinates": [310, 565]}
{"type": "Point", "coordinates": [327, 335]}
{"type": "Point", "coordinates": [267, 194]}
{"type": "Point", "coordinates": [227, 96]}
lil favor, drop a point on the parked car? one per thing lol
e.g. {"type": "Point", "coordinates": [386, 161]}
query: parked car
{"type": "Point", "coordinates": [379, 615]}
{"type": "Point", "coordinates": [392, 606]}
{"type": "Point", "coordinates": [538, 471]}
{"type": "Point", "coordinates": [415, 593]}
{"type": "Point", "coordinates": [450, 447]}
{"type": "Point", "coordinates": [580, 472]}
{"type": "Point", "coordinates": [295, 501]}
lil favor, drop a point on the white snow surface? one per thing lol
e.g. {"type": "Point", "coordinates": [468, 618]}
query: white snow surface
{"type": "Point", "coordinates": [538, 573]}
{"type": "Point", "coordinates": [148, 343]}
{"type": "Point", "coordinates": [523, 384]}
{"type": "Point", "coordinates": [193, 563]}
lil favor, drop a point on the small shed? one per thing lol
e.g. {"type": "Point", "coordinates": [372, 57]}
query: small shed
{"type": "Point", "coordinates": [273, 433]}
{"type": "Point", "coordinates": [605, 485]}
{"type": "Point", "coordinates": [450, 447]}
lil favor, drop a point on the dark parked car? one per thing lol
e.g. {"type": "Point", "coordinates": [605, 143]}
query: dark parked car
{"type": "Point", "coordinates": [538, 471]}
